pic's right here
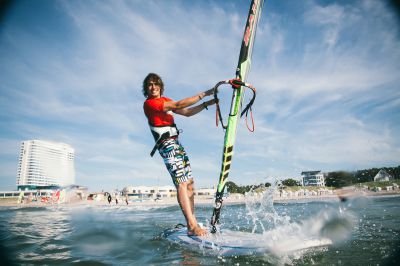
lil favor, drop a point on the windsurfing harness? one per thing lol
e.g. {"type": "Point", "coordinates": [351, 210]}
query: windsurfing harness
{"type": "Point", "coordinates": [161, 133]}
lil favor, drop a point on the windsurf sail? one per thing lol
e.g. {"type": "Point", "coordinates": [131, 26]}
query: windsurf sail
{"type": "Point", "coordinates": [238, 84]}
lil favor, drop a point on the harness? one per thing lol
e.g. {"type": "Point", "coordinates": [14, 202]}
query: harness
{"type": "Point", "coordinates": [162, 133]}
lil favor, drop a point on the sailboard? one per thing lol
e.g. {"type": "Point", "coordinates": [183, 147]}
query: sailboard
{"type": "Point", "coordinates": [236, 243]}
{"type": "Point", "coordinates": [238, 84]}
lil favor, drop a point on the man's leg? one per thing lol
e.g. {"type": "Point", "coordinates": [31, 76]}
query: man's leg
{"type": "Point", "coordinates": [186, 204]}
{"type": "Point", "coordinates": [191, 194]}
{"type": "Point", "coordinates": [178, 166]}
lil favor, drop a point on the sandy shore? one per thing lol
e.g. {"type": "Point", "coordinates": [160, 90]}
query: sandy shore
{"type": "Point", "coordinates": [235, 199]}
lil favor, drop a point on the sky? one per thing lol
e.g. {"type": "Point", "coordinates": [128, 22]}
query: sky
{"type": "Point", "coordinates": [326, 74]}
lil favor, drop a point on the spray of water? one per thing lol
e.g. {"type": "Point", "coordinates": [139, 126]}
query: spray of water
{"type": "Point", "coordinates": [260, 209]}
{"type": "Point", "coordinates": [281, 235]}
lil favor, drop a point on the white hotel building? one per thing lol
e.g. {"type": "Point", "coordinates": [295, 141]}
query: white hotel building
{"type": "Point", "coordinates": [45, 164]}
{"type": "Point", "coordinates": [313, 178]}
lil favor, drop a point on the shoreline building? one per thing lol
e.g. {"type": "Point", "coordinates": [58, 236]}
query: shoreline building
{"type": "Point", "coordinates": [160, 192]}
{"type": "Point", "coordinates": [45, 165]}
{"type": "Point", "coordinates": [149, 192]}
{"type": "Point", "coordinates": [313, 178]}
{"type": "Point", "coordinates": [382, 175]}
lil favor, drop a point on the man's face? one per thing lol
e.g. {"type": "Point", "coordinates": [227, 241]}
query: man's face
{"type": "Point", "coordinates": [153, 89]}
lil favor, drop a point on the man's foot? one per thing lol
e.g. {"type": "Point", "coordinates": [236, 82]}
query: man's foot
{"type": "Point", "coordinates": [197, 231]}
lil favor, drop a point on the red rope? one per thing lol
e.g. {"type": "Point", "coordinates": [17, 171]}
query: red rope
{"type": "Point", "coordinates": [216, 115]}
{"type": "Point", "coordinates": [252, 121]}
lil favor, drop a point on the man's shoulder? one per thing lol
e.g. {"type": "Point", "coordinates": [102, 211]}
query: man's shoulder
{"type": "Point", "coordinates": [167, 99]}
{"type": "Point", "coordinates": [157, 100]}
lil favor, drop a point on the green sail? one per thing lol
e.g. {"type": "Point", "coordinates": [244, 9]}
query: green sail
{"type": "Point", "coordinates": [242, 71]}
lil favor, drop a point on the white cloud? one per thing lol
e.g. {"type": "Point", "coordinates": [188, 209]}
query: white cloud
{"type": "Point", "coordinates": [331, 17]}
{"type": "Point", "coordinates": [327, 79]}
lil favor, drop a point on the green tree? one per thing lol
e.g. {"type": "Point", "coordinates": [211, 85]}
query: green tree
{"type": "Point", "coordinates": [340, 179]}
{"type": "Point", "coordinates": [396, 172]}
{"type": "Point", "coordinates": [393, 171]}
{"type": "Point", "coordinates": [232, 187]}
{"type": "Point", "coordinates": [291, 182]}
{"type": "Point", "coordinates": [366, 175]}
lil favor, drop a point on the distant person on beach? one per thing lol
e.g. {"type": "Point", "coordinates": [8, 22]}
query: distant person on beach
{"type": "Point", "coordinates": [21, 198]}
{"type": "Point", "coordinates": [109, 199]}
{"type": "Point", "coordinates": [159, 112]}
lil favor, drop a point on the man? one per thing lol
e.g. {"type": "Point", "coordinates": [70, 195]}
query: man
{"type": "Point", "coordinates": [158, 110]}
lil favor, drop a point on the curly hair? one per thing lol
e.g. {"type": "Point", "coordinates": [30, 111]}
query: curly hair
{"type": "Point", "coordinates": [154, 78]}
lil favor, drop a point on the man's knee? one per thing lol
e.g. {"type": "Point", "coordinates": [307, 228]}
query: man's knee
{"type": "Point", "coordinates": [189, 185]}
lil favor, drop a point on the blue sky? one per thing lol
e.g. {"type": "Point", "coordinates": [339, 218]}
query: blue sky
{"type": "Point", "coordinates": [326, 73]}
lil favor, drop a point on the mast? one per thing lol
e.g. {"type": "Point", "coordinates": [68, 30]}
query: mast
{"type": "Point", "coordinates": [242, 71]}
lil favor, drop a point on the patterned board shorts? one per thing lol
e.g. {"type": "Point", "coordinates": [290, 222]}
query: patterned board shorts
{"type": "Point", "coordinates": [176, 160]}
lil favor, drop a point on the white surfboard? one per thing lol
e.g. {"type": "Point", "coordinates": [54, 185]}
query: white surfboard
{"type": "Point", "coordinates": [236, 243]}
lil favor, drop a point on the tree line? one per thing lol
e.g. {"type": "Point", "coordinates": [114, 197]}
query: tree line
{"type": "Point", "coordinates": [335, 179]}
{"type": "Point", "coordinates": [233, 188]}
{"type": "Point", "coordinates": [343, 178]}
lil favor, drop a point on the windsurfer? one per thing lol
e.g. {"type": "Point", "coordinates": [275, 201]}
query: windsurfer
{"type": "Point", "coordinates": [158, 110]}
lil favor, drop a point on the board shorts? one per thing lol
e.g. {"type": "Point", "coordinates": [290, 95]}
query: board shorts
{"type": "Point", "coordinates": [176, 160]}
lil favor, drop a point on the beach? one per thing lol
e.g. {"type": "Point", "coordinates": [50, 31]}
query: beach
{"type": "Point", "coordinates": [338, 195]}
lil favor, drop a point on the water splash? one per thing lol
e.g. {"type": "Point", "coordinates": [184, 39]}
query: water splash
{"type": "Point", "coordinates": [260, 209]}
{"type": "Point", "coordinates": [282, 236]}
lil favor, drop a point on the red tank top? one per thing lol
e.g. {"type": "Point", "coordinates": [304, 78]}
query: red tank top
{"type": "Point", "coordinates": [153, 109]}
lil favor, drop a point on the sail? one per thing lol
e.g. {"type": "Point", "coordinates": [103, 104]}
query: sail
{"type": "Point", "coordinates": [242, 71]}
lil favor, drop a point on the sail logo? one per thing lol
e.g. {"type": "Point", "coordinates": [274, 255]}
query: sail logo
{"type": "Point", "coordinates": [250, 23]}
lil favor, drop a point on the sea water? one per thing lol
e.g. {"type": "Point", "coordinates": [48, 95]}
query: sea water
{"type": "Point", "coordinates": [364, 231]}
